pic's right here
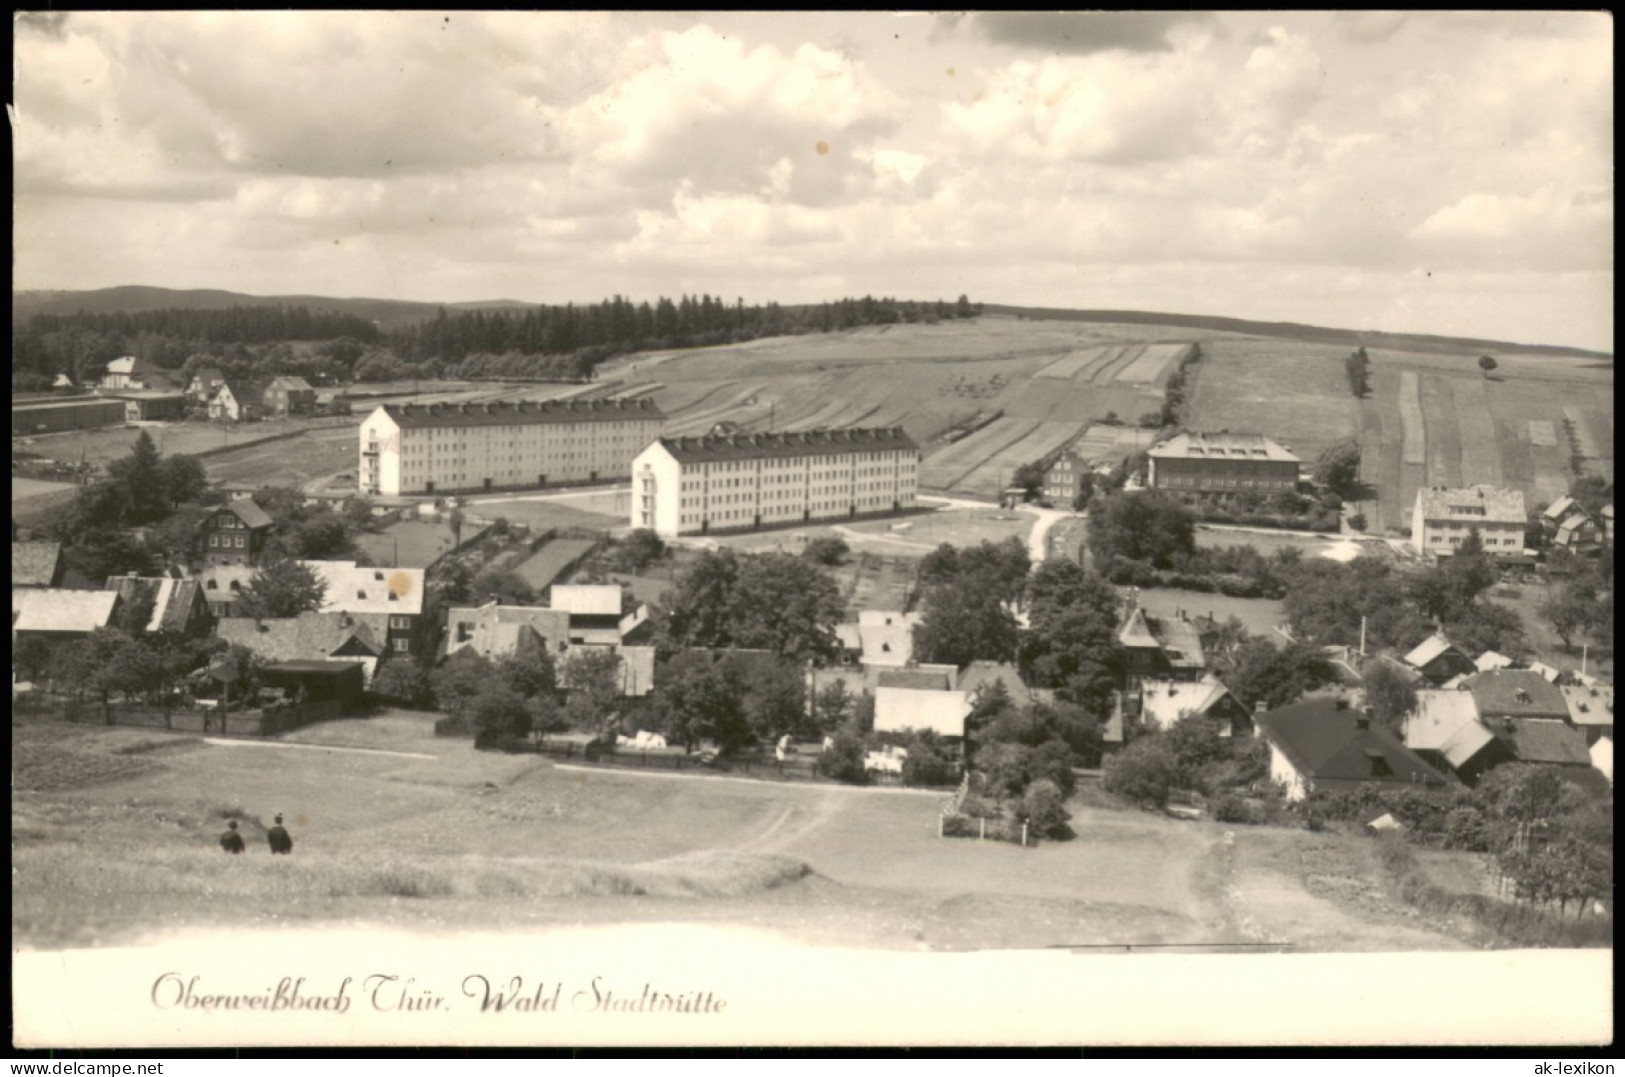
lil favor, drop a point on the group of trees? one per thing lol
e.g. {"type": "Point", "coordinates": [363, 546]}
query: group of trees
{"type": "Point", "coordinates": [775, 602]}
{"type": "Point", "coordinates": [1358, 368]}
{"type": "Point", "coordinates": [1189, 755]}
{"type": "Point", "coordinates": [1581, 600]}
{"type": "Point", "coordinates": [125, 661]}
{"type": "Point", "coordinates": [967, 600]}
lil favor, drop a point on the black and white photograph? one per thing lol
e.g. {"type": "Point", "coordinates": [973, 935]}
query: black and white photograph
{"type": "Point", "coordinates": [812, 529]}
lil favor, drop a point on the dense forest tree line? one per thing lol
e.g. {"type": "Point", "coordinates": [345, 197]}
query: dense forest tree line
{"type": "Point", "coordinates": [549, 341]}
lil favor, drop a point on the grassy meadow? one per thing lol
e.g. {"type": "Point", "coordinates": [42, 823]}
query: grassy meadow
{"type": "Point", "coordinates": [114, 838]}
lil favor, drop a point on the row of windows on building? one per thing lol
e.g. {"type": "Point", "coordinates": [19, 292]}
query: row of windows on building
{"type": "Point", "coordinates": [1489, 540]}
{"type": "Point", "coordinates": [224, 542]}
{"type": "Point", "coordinates": [1172, 481]}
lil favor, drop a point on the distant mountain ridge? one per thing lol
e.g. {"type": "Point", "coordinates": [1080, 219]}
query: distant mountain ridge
{"type": "Point", "coordinates": [390, 314]}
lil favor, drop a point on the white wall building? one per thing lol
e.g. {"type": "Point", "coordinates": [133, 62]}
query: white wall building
{"type": "Point", "coordinates": [689, 486]}
{"type": "Point", "coordinates": [445, 448]}
{"type": "Point", "coordinates": [1442, 518]}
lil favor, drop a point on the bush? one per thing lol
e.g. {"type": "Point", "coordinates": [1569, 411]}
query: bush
{"type": "Point", "coordinates": [1044, 811]}
{"type": "Point", "coordinates": [843, 760]}
{"type": "Point", "coordinates": [1358, 521]}
{"type": "Point", "coordinates": [1231, 808]}
{"type": "Point", "coordinates": [1466, 828]}
{"type": "Point", "coordinates": [1143, 773]}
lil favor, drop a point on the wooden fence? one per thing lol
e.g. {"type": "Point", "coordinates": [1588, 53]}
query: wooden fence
{"type": "Point", "coordinates": [249, 722]}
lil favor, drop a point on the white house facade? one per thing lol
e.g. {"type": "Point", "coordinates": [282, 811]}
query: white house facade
{"type": "Point", "coordinates": [690, 486]}
{"type": "Point", "coordinates": [446, 448]}
{"type": "Point", "coordinates": [1442, 518]}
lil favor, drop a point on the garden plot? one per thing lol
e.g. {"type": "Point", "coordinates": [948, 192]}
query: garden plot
{"type": "Point", "coordinates": [946, 467]}
{"type": "Point", "coordinates": [1542, 432]}
{"type": "Point", "coordinates": [1480, 453]}
{"type": "Point", "coordinates": [1126, 356]}
{"type": "Point", "coordinates": [1412, 426]}
{"type": "Point", "coordinates": [1444, 434]}
{"type": "Point", "coordinates": [1152, 364]}
{"type": "Point", "coordinates": [994, 473]}
{"type": "Point", "coordinates": [1067, 367]}
{"type": "Point", "coordinates": [541, 568]}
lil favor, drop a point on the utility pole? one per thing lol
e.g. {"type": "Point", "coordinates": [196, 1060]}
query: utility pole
{"type": "Point", "coordinates": [1362, 635]}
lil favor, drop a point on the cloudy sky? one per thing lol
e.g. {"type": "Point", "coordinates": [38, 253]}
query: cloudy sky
{"type": "Point", "coordinates": [1446, 173]}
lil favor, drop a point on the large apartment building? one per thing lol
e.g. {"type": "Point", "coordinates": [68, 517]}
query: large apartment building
{"type": "Point", "coordinates": [446, 448]}
{"type": "Point", "coordinates": [1222, 463]}
{"type": "Point", "coordinates": [687, 486]}
{"type": "Point", "coordinates": [1442, 518]}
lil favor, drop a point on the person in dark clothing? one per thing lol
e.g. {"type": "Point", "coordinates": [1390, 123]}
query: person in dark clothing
{"type": "Point", "coordinates": [278, 837]}
{"type": "Point", "coordinates": [231, 841]}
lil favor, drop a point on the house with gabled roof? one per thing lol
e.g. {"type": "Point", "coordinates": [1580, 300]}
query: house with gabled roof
{"type": "Point", "coordinates": [57, 614]}
{"type": "Point", "coordinates": [130, 372]}
{"type": "Point", "coordinates": [1164, 702]}
{"type": "Point", "coordinates": [1325, 745]}
{"type": "Point", "coordinates": [1437, 659]}
{"type": "Point", "coordinates": [1221, 462]}
{"type": "Point", "coordinates": [204, 385]}
{"type": "Point", "coordinates": [920, 709]}
{"type": "Point", "coordinates": [393, 594]}
{"type": "Point", "coordinates": [886, 637]}
{"type": "Point", "coordinates": [1445, 730]}
{"type": "Point", "coordinates": [225, 407]}
{"type": "Point", "coordinates": [1160, 647]}
{"type": "Point", "coordinates": [177, 604]}
{"type": "Point", "coordinates": [1442, 518]}
{"type": "Point", "coordinates": [36, 564]}
{"type": "Point", "coordinates": [493, 630]}
{"type": "Point", "coordinates": [235, 533]}
{"type": "Point", "coordinates": [594, 611]}
{"type": "Point", "coordinates": [309, 637]}
{"type": "Point", "coordinates": [1516, 693]}
{"type": "Point", "coordinates": [981, 674]}
{"type": "Point", "coordinates": [288, 395]}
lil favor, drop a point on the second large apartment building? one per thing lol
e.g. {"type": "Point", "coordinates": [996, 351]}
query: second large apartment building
{"type": "Point", "coordinates": [411, 449]}
{"type": "Point", "coordinates": [690, 486]}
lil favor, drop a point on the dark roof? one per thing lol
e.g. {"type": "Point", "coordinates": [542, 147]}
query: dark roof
{"type": "Point", "coordinates": [1515, 693]}
{"type": "Point", "coordinates": [34, 564]}
{"type": "Point", "coordinates": [509, 413]}
{"type": "Point", "coordinates": [246, 510]}
{"type": "Point", "coordinates": [1328, 744]}
{"type": "Point", "coordinates": [173, 600]}
{"type": "Point", "coordinates": [308, 636]}
{"type": "Point", "coordinates": [1543, 740]}
{"type": "Point", "coordinates": [700, 450]}
{"type": "Point", "coordinates": [921, 679]}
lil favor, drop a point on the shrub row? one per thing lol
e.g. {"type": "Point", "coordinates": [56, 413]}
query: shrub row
{"type": "Point", "coordinates": [1518, 924]}
{"type": "Point", "coordinates": [1127, 572]}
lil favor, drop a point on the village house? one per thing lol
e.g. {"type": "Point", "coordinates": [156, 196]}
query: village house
{"type": "Point", "coordinates": [899, 710]}
{"type": "Point", "coordinates": [53, 614]}
{"type": "Point", "coordinates": [1064, 479]}
{"type": "Point", "coordinates": [1442, 518]}
{"type": "Point", "coordinates": [1567, 525]}
{"type": "Point", "coordinates": [1168, 648]}
{"type": "Point", "coordinates": [1164, 702]}
{"type": "Point", "coordinates": [1439, 660]}
{"type": "Point", "coordinates": [1591, 709]}
{"type": "Point", "coordinates": [204, 385]}
{"type": "Point", "coordinates": [395, 595]}
{"type": "Point", "coordinates": [1529, 714]}
{"type": "Point", "coordinates": [224, 585]}
{"type": "Point", "coordinates": [321, 637]}
{"type": "Point", "coordinates": [225, 407]}
{"type": "Point", "coordinates": [593, 610]}
{"type": "Point", "coordinates": [36, 564]}
{"type": "Point", "coordinates": [235, 533]}
{"type": "Point", "coordinates": [1445, 730]}
{"type": "Point", "coordinates": [286, 395]}
{"type": "Point", "coordinates": [445, 448]}
{"type": "Point", "coordinates": [687, 486]}
{"type": "Point", "coordinates": [981, 675]}
{"type": "Point", "coordinates": [131, 372]}
{"type": "Point", "coordinates": [886, 637]}
{"type": "Point", "coordinates": [497, 632]}
{"type": "Point", "coordinates": [1222, 463]}
{"type": "Point", "coordinates": [177, 604]}
{"type": "Point", "coordinates": [1326, 745]}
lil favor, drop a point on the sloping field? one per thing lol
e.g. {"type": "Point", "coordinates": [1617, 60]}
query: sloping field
{"type": "Point", "coordinates": [1480, 453]}
{"type": "Point", "coordinates": [943, 469]}
{"type": "Point", "coordinates": [994, 473]}
{"type": "Point", "coordinates": [1153, 363]}
{"type": "Point", "coordinates": [1297, 394]}
{"type": "Point", "coordinates": [1444, 434]}
{"type": "Point", "coordinates": [1068, 366]}
{"type": "Point", "coordinates": [636, 391]}
{"type": "Point", "coordinates": [1081, 401]}
{"type": "Point", "coordinates": [1582, 431]}
{"type": "Point", "coordinates": [1541, 432]}
{"type": "Point", "coordinates": [289, 462]}
{"type": "Point", "coordinates": [1412, 426]}
{"type": "Point", "coordinates": [1126, 356]}
{"type": "Point", "coordinates": [699, 420]}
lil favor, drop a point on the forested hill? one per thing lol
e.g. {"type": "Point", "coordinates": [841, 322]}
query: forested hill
{"type": "Point", "coordinates": [385, 313]}
{"type": "Point", "coordinates": [1314, 334]}
{"type": "Point", "coordinates": [332, 340]}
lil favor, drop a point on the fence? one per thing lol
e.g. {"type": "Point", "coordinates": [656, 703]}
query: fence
{"type": "Point", "coordinates": [952, 822]}
{"type": "Point", "coordinates": [790, 769]}
{"type": "Point", "coordinates": [249, 722]}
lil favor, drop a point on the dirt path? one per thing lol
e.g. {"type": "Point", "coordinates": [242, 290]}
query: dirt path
{"type": "Point", "coordinates": [793, 823]}
{"type": "Point", "coordinates": [1037, 546]}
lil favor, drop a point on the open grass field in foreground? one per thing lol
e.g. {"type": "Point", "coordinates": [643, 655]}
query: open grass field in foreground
{"type": "Point", "coordinates": [113, 838]}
